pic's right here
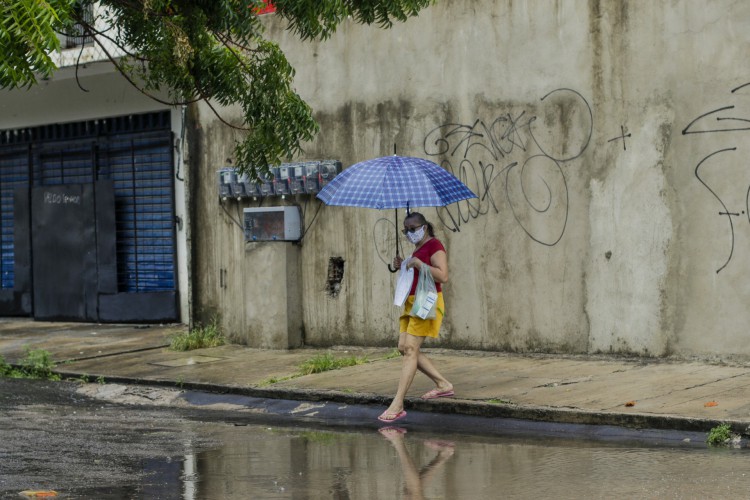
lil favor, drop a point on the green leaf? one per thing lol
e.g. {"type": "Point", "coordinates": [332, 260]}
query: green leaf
{"type": "Point", "coordinates": [210, 50]}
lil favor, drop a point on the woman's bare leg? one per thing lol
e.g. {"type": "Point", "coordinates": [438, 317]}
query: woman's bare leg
{"type": "Point", "coordinates": [409, 346]}
{"type": "Point", "coordinates": [412, 481]}
{"type": "Point", "coordinates": [425, 366]}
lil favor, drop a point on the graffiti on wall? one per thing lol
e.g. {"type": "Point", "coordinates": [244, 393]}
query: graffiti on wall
{"type": "Point", "coordinates": [624, 134]}
{"type": "Point", "coordinates": [716, 121]}
{"type": "Point", "coordinates": [516, 160]}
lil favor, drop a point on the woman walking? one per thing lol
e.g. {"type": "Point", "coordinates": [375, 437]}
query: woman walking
{"type": "Point", "coordinates": [430, 252]}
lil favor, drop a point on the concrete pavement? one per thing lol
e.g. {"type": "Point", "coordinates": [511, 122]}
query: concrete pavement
{"type": "Point", "coordinates": [627, 392]}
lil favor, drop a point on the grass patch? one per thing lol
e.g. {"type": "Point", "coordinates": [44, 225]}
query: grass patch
{"type": "Point", "coordinates": [273, 380]}
{"type": "Point", "coordinates": [393, 354]}
{"type": "Point", "coordinates": [198, 337]}
{"type": "Point", "coordinates": [327, 362]}
{"type": "Point", "coordinates": [498, 402]}
{"type": "Point", "coordinates": [719, 435]}
{"type": "Point", "coordinates": [37, 364]}
{"type": "Point", "coordinates": [318, 364]}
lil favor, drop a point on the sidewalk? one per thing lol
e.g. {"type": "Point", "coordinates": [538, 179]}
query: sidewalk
{"type": "Point", "coordinates": [636, 393]}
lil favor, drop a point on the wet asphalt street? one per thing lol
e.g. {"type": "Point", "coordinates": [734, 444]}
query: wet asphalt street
{"type": "Point", "coordinates": [126, 442]}
{"type": "Point", "coordinates": [52, 438]}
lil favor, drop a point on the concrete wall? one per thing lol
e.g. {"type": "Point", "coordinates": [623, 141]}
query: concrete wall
{"type": "Point", "coordinates": [606, 141]}
{"type": "Point", "coordinates": [252, 288]}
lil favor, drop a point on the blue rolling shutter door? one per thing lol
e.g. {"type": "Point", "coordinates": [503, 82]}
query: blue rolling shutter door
{"type": "Point", "coordinates": [65, 163]}
{"type": "Point", "coordinates": [14, 173]}
{"type": "Point", "coordinates": [141, 168]}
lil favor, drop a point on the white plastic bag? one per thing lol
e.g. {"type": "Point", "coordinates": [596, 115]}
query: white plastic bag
{"type": "Point", "coordinates": [403, 284]}
{"type": "Point", "coordinates": [425, 298]}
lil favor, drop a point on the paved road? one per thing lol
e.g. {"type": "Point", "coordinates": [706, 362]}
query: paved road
{"type": "Point", "coordinates": [52, 438]}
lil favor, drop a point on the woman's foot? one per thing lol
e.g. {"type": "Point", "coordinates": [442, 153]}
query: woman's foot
{"type": "Point", "coordinates": [392, 415]}
{"type": "Point", "coordinates": [392, 433]}
{"type": "Point", "coordinates": [445, 449]}
{"type": "Point", "coordinates": [440, 444]}
{"type": "Point", "coordinates": [439, 392]}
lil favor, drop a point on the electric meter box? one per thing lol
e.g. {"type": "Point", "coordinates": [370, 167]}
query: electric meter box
{"type": "Point", "coordinates": [272, 224]}
{"type": "Point", "coordinates": [227, 176]}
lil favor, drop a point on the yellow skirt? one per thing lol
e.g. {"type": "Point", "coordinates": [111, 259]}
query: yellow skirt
{"type": "Point", "coordinates": [421, 327]}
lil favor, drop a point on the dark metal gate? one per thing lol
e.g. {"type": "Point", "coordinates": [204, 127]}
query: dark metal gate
{"type": "Point", "coordinates": [135, 268]}
{"type": "Point", "coordinates": [67, 221]}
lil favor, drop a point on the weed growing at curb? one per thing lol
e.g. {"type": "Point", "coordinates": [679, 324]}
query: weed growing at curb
{"type": "Point", "coordinates": [37, 364]}
{"type": "Point", "coordinates": [5, 368]}
{"type": "Point", "coordinates": [326, 362]}
{"type": "Point", "coordinates": [318, 364]}
{"type": "Point", "coordinates": [392, 354]}
{"type": "Point", "coordinates": [273, 380]}
{"type": "Point", "coordinates": [719, 435]}
{"type": "Point", "coordinates": [498, 402]}
{"type": "Point", "coordinates": [198, 337]}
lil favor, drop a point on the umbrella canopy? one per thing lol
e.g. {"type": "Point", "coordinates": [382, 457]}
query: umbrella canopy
{"type": "Point", "coordinates": [394, 182]}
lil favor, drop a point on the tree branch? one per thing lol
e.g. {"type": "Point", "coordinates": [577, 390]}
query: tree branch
{"type": "Point", "coordinates": [127, 77]}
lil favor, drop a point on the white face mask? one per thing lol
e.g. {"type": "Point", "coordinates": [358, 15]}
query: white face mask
{"type": "Point", "coordinates": [416, 236]}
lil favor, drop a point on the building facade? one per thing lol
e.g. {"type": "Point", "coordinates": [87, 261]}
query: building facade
{"type": "Point", "coordinates": [604, 141]}
{"type": "Point", "coordinates": [91, 203]}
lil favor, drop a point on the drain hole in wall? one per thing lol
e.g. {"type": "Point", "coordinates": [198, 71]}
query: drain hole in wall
{"type": "Point", "coordinates": [335, 275]}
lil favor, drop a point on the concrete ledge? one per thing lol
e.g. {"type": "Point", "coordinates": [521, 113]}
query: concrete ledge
{"type": "Point", "coordinates": [447, 407]}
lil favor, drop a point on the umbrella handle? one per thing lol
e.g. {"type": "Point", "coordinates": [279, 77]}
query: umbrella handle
{"type": "Point", "coordinates": [390, 268]}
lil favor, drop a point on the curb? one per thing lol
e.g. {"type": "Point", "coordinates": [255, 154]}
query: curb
{"type": "Point", "coordinates": [446, 407]}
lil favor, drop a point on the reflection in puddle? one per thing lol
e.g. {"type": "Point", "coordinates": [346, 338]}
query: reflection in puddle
{"type": "Point", "coordinates": [415, 480]}
{"type": "Point", "coordinates": [266, 462]}
{"type": "Point", "coordinates": [109, 451]}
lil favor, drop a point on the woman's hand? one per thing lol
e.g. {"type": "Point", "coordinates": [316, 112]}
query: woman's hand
{"type": "Point", "coordinates": [397, 260]}
{"type": "Point", "coordinates": [415, 263]}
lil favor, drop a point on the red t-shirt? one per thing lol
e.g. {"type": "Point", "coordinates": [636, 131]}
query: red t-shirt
{"type": "Point", "coordinates": [425, 253]}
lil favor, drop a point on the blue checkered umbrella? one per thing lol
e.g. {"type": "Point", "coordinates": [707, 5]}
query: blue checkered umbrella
{"type": "Point", "coordinates": [394, 182]}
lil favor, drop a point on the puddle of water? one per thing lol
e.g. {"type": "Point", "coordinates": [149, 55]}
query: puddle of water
{"type": "Point", "coordinates": [267, 462]}
{"type": "Point", "coordinates": [52, 441]}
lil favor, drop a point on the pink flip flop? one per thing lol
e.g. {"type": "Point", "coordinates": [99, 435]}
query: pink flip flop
{"type": "Point", "coordinates": [391, 429]}
{"type": "Point", "coordinates": [438, 393]}
{"type": "Point", "coordinates": [395, 416]}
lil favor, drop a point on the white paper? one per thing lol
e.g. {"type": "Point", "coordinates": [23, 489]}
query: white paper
{"type": "Point", "coordinates": [403, 285]}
